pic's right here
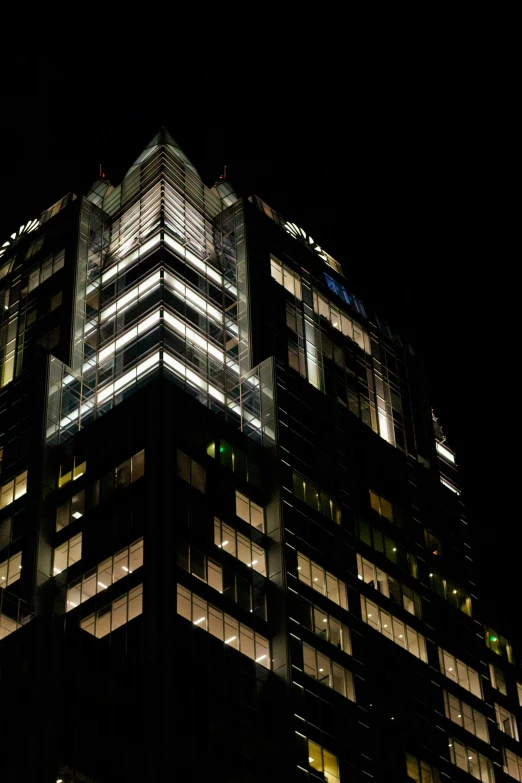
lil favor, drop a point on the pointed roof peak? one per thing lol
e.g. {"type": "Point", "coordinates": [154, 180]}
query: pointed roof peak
{"type": "Point", "coordinates": [163, 138]}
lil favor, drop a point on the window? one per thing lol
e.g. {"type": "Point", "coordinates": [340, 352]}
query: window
{"type": "Point", "coordinates": [461, 713]}
{"type": "Point", "coordinates": [519, 692]}
{"type": "Point", "coordinates": [237, 588]}
{"type": "Point", "coordinates": [432, 543]}
{"type": "Point", "coordinates": [100, 578]}
{"type": "Point", "coordinates": [71, 472]}
{"type": "Point", "coordinates": [327, 627]}
{"type": "Point", "coordinates": [316, 498]}
{"type": "Point", "coordinates": [10, 570]}
{"type": "Point", "coordinates": [190, 471]}
{"type": "Point", "coordinates": [283, 275]}
{"type": "Point", "coordinates": [47, 268]}
{"type": "Point", "coordinates": [223, 626]}
{"type": "Point", "coordinates": [120, 611]}
{"type": "Point", "coordinates": [393, 551]}
{"type": "Point", "coordinates": [499, 644]}
{"type": "Point", "coordinates": [512, 764]}
{"type": "Point", "coordinates": [454, 594]}
{"type": "Point", "coordinates": [233, 459]}
{"type": "Point", "coordinates": [14, 489]}
{"type": "Point", "coordinates": [395, 630]}
{"type": "Point", "coordinates": [420, 771]}
{"type": "Point", "coordinates": [34, 247]}
{"type": "Point", "coordinates": [238, 545]}
{"type": "Point", "coordinates": [67, 554]}
{"type": "Point", "coordinates": [388, 586]}
{"type": "Point", "coordinates": [506, 721]}
{"type": "Point", "coordinates": [382, 506]}
{"type": "Point", "coordinates": [250, 512]}
{"type": "Point", "coordinates": [324, 762]}
{"type": "Point", "coordinates": [498, 680]}
{"type": "Point", "coordinates": [342, 322]}
{"type": "Point", "coordinates": [477, 765]}
{"type": "Point", "coordinates": [460, 673]}
{"type": "Point", "coordinates": [321, 580]}
{"type": "Point", "coordinates": [327, 672]}
{"type": "Point", "coordinates": [129, 471]}
{"type": "Point", "coordinates": [72, 509]}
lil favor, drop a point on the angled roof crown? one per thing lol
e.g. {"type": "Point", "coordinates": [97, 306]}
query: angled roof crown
{"type": "Point", "coordinates": [163, 138]}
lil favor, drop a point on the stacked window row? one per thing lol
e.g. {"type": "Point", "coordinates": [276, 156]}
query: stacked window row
{"type": "Point", "coordinates": [395, 630]}
{"type": "Point", "coordinates": [119, 612]}
{"type": "Point", "coordinates": [226, 628]}
{"type": "Point", "coordinates": [106, 573]}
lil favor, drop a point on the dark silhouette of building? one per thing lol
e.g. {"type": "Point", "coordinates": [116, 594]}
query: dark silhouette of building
{"type": "Point", "coordinates": [232, 541]}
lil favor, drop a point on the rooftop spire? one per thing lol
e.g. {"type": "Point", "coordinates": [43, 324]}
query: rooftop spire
{"type": "Point", "coordinates": [163, 137]}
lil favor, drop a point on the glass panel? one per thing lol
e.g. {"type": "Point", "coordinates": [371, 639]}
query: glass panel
{"type": "Point", "coordinates": [317, 578]}
{"type": "Point", "coordinates": [309, 662]}
{"type": "Point", "coordinates": [136, 555]}
{"type": "Point", "coordinates": [104, 575]}
{"type": "Point", "coordinates": [119, 612]}
{"type": "Point", "coordinates": [231, 632]}
{"type": "Point", "coordinates": [75, 549]}
{"type": "Point", "coordinates": [246, 642]}
{"type": "Point", "coordinates": [242, 507]}
{"type": "Point", "coordinates": [138, 466]}
{"type": "Point", "coordinates": [257, 516]}
{"type": "Point", "coordinates": [60, 558]}
{"type": "Point", "coordinates": [262, 651]}
{"type": "Point", "coordinates": [62, 515]}
{"type": "Point", "coordinates": [215, 576]}
{"type": "Point", "coordinates": [184, 603]}
{"type": "Point", "coordinates": [136, 602]}
{"type": "Point", "coordinates": [215, 622]}
{"type": "Point", "coordinates": [303, 568]}
{"type": "Point", "coordinates": [78, 505]}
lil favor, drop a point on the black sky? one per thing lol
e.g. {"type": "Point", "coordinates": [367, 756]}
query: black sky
{"type": "Point", "coordinates": [400, 163]}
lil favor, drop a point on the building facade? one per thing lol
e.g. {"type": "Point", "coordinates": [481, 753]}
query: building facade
{"type": "Point", "coordinates": [232, 541]}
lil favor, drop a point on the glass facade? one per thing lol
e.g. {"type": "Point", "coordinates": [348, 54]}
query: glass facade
{"type": "Point", "coordinates": [230, 508]}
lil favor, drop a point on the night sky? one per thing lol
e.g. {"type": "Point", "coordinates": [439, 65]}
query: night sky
{"type": "Point", "coordinates": [401, 170]}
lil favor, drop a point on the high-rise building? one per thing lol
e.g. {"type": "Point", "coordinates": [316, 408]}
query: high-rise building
{"type": "Point", "coordinates": [232, 540]}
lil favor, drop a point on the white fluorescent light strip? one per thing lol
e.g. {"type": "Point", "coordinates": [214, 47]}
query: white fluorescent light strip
{"type": "Point", "coordinates": [193, 336]}
{"type": "Point", "coordinates": [178, 287]}
{"type": "Point", "coordinates": [127, 337]}
{"type": "Point", "coordinates": [449, 486]}
{"type": "Point", "coordinates": [444, 452]}
{"type": "Point", "coordinates": [194, 260]}
{"type": "Point", "coordinates": [130, 296]}
{"type": "Point", "coordinates": [191, 377]}
{"type": "Point", "coordinates": [110, 273]}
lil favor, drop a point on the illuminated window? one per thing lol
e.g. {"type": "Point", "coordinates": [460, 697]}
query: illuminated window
{"type": "Point", "coordinates": [471, 720]}
{"type": "Point", "coordinates": [460, 673]}
{"type": "Point", "coordinates": [71, 472]}
{"type": "Point", "coordinates": [190, 471]}
{"type": "Point", "coordinates": [119, 612]}
{"type": "Point", "coordinates": [67, 554]}
{"type": "Point", "coordinates": [324, 762]}
{"type": "Point", "coordinates": [498, 644]}
{"type": "Point", "coordinates": [432, 543]}
{"type": "Point", "coordinates": [14, 489]}
{"type": "Point", "coordinates": [250, 512]}
{"type": "Point", "coordinates": [72, 509]}
{"type": "Point", "coordinates": [512, 764]}
{"type": "Point", "coordinates": [498, 680]}
{"type": "Point", "coordinates": [238, 545]}
{"type": "Point", "coordinates": [519, 692]}
{"type": "Point", "coordinates": [327, 672]}
{"type": "Point", "coordinates": [451, 592]}
{"type": "Point", "coordinates": [106, 573]}
{"type": "Point", "coordinates": [286, 277]}
{"type": "Point", "coordinates": [321, 580]}
{"type": "Point", "coordinates": [10, 570]}
{"type": "Point", "coordinates": [467, 759]}
{"type": "Point", "coordinates": [226, 628]}
{"type": "Point", "coordinates": [420, 771]}
{"type": "Point", "coordinates": [316, 498]}
{"type": "Point", "coordinates": [382, 506]}
{"type": "Point", "coordinates": [400, 594]}
{"type": "Point", "coordinates": [326, 626]}
{"type": "Point", "coordinates": [342, 322]}
{"type": "Point", "coordinates": [394, 629]}
{"type": "Point", "coordinates": [506, 721]}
